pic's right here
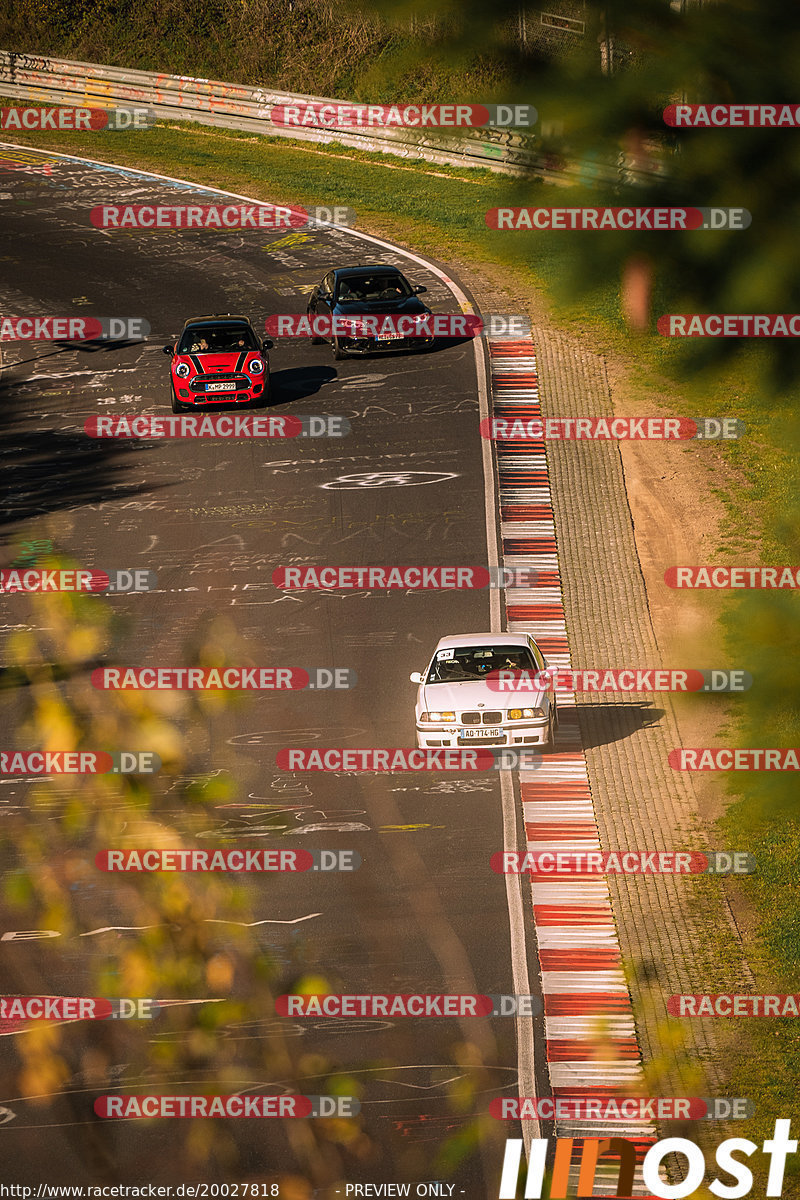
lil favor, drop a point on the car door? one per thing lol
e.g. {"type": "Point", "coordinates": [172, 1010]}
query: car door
{"type": "Point", "coordinates": [322, 296]}
{"type": "Point", "coordinates": [541, 665]}
{"type": "Point", "coordinates": [538, 657]}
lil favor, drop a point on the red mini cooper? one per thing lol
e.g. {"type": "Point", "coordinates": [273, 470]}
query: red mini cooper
{"type": "Point", "coordinates": [218, 360]}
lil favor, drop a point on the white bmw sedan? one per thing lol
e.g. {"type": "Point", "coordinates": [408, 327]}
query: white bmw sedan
{"type": "Point", "coordinates": [459, 701]}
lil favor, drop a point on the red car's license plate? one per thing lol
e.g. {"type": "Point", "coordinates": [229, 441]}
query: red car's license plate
{"type": "Point", "coordinates": [220, 387]}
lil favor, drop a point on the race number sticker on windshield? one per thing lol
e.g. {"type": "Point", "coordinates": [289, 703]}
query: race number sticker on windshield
{"type": "Point", "coordinates": [445, 654]}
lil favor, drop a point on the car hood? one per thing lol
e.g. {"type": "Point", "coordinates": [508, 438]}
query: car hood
{"type": "Point", "coordinates": [411, 304]}
{"type": "Point", "coordinates": [455, 697]}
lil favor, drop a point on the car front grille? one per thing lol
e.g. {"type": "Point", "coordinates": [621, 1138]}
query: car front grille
{"type": "Point", "coordinates": [199, 382]}
{"type": "Point", "coordinates": [209, 398]}
{"type": "Point", "coordinates": [476, 718]}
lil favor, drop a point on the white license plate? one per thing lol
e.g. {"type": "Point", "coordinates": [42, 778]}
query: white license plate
{"type": "Point", "coordinates": [396, 337]}
{"type": "Point", "coordinates": [483, 731]}
{"type": "Point", "coordinates": [220, 387]}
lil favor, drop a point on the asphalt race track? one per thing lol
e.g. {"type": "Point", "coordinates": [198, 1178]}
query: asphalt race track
{"type": "Point", "coordinates": [213, 520]}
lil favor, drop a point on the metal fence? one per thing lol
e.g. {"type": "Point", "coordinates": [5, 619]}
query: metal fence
{"type": "Point", "coordinates": [235, 106]}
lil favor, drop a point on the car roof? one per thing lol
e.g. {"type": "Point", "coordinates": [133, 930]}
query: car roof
{"type": "Point", "coordinates": [220, 319]}
{"type": "Point", "coordinates": [483, 639]}
{"type": "Point", "coordinates": [368, 269]}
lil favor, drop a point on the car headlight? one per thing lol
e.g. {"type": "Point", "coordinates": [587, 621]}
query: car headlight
{"type": "Point", "coordinates": [525, 714]}
{"type": "Point", "coordinates": [437, 716]}
{"type": "Point", "coordinates": [256, 366]}
{"type": "Point", "coordinates": [182, 370]}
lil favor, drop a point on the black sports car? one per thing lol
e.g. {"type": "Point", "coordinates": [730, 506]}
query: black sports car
{"type": "Point", "coordinates": [356, 298]}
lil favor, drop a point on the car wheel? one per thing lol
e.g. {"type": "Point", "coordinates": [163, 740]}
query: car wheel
{"type": "Point", "coordinates": [177, 407]}
{"type": "Point", "coordinates": [549, 746]}
{"type": "Point", "coordinates": [338, 352]}
{"type": "Point", "coordinates": [315, 341]}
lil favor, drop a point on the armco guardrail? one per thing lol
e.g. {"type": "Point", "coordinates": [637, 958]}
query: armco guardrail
{"type": "Point", "coordinates": [235, 106]}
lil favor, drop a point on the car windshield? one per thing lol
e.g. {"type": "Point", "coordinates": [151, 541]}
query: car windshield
{"type": "Point", "coordinates": [216, 339]}
{"type": "Point", "coordinates": [355, 289]}
{"type": "Point", "coordinates": [464, 664]}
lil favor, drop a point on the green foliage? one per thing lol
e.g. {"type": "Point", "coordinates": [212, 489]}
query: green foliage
{"type": "Point", "coordinates": [188, 939]}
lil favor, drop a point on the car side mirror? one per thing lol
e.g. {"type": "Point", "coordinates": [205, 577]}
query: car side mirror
{"type": "Point", "coordinates": [416, 677]}
{"type": "Point", "coordinates": [419, 289]}
{"type": "Point", "coordinates": [169, 350]}
{"type": "Point", "coordinates": [267, 344]}
{"type": "Point", "coordinates": [326, 296]}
